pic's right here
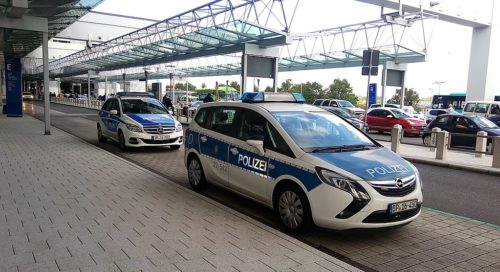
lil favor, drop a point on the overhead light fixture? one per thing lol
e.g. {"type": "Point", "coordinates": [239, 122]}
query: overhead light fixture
{"type": "Point", "coordinates": [434, 3]}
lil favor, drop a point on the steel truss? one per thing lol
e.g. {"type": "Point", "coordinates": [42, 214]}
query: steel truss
{"type": "Point", "coordinates": [219, 27]}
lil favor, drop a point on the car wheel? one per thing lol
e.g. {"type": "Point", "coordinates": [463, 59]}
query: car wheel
{"type": "Point", "coordinates": [293, 210]}
{"type": "Point", "coordinates": [427, 140]}
{"type": "Point", "coordinates": [100, 137]}
{"type": "Point", "coordinates": [121, 141]}
{"type": "Point", "coordinates": [175, 147]}
{"type": "Point", "coordinates": [196, 176]}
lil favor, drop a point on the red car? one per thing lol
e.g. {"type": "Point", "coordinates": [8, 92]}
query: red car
{"type": "Point", "coordinates": [383, 119]}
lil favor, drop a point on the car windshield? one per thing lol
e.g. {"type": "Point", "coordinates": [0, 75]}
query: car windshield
{"type": "Point", "coordinates": [142, 106]}
{"type": "Point", "coordinates": [483, 122]}
{"type": "Point", "coordinates": [340, 113]}
{"type": "Point", "coordinates": [400, 114]}
{"type": "Point", "coordinates": [345, 104]}
{"type": "Point", "coordinates": [321, 131]}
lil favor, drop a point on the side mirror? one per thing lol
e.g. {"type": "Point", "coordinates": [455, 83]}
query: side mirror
{"type": "Point", "coordinates": [113, 112]}
{"type": "Point", "coordinates": [390, 116]}
{"type": "Point", "coordinates": [258, 144]}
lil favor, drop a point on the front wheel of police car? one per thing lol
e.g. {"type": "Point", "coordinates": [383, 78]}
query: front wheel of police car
{"type": "Point", "coordinates": [121, 141]}
{"type": "Point", "coordinates": [196, 176]}
{"type": "Point", "coordinates": [293, 209]}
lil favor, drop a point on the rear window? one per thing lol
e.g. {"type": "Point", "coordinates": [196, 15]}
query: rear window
{"type": "Point", "coordinates": [318, 102]}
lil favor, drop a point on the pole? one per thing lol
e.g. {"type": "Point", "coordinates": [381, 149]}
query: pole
{"type": "Point", "coordinates": [88, 89]}
{"type": "Point", "coordinates": [1, 88]}
{"type": "Point", "coordinates": [105, 87]}
{"type": "Point", "coordinates": [46, 108]}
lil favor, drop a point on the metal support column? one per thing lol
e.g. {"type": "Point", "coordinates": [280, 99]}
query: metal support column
{"type": "Point", "coordinates": [1, 88]}
{"type": "Point", "coordinates": [88, 89]}
{"type": "Point", "coordinates": [46, 84]}
{"type": "Point", "coordinates": [105, 87]}
{"type": "Point", "coordinates": [244, 73]}
{"type": "Point", "coordinates": [275, 77]}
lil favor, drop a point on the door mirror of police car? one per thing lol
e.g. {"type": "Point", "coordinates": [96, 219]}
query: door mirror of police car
{"type": "Point", "coordinates": [258, 144]}
{"type": "Point", "coordinates": [113, 112]}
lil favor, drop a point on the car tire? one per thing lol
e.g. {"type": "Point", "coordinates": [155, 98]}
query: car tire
{"type": "Point", "coordinates": [196, 176]}
{"type": "Point", "coordinates": [121, 141]}
{"type": "Point", "coordinates": [427, 140]}
{"type": "Point", "coordinates": [100, 137]}
{"type": "Point", "coordinates": [175, 147]}
{"type": "Point", "coordinates": [292, 209]}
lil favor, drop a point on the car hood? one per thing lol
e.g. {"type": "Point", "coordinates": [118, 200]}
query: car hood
{"type": "Point", "coordinates": [375, 164]}
{"type": "Point", "coordinates": [153, 119]}
{"type": "Point", "coordinates": [492, 131]}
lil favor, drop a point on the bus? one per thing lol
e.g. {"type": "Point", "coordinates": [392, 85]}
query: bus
{"type": "Point", "coordinates": [443, 101]}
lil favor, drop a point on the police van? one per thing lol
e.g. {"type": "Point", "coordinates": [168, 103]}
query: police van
{"type": "Point", "coordinates": [135, 119]}
{"type": "Point", "coordinates": [307, 164]}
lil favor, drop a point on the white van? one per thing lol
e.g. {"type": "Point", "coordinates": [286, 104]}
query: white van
{"type": "Point", "coordinates": [482, 108]}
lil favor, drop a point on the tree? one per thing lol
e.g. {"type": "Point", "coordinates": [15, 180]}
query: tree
{"type": "Point", "coordinates": [268, 89]}
{"type": "Point", "coordinates": [410, 96]}
{"type": "Point", "coordinates": [286, 86]}
{"type": "Point", "coordinates": [342, 89]}
{"type": "Point", "coordinates": [310, 90]}
{"type": "Point", "coordinates": [203, 85]}
{"type": "Point", "coordinates": [182, 86]}
{"type": "Point", "coordinates": [235, 85]}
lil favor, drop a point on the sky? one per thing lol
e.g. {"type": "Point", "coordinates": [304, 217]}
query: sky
{"type": "Point", "coordinates": [445, 70]}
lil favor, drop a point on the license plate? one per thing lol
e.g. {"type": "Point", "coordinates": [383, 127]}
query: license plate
{"type": "Point", "coordinates": [160, 137]}
{"type": "Point", "coordinates": [403, 206]}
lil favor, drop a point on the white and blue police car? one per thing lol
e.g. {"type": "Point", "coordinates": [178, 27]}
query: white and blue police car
{"type": "Point", "coordinates": [135, 119]}
{"type": "Point", "coordinates": [309, 165]}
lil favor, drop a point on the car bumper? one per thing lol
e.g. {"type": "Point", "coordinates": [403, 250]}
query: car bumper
{"type": "Point", "coordinates": [141, 139]}
{"type": "Point", "coordinates": [375, 214]}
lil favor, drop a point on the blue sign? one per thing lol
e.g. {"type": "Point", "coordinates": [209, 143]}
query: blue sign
{"type": "Point", "coordinates": [13, 80]}
{"type": "Point", "coordinates": [372, 97]}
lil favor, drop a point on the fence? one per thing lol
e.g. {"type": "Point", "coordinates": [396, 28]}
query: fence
{"type": "Point", "coordinates": [83, 103]}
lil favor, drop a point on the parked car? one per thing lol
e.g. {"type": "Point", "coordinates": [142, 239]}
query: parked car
{"type": "Point", "coordinates": [461, 124]}
{"type": "Point", "coordinates": [396, 106]}
{"type": "Point", "coordinates": [353, 120]}
{"type": "Point", "coordinates": [28, 96]}
{"type": "Point", "coordinates": [337, 103]}
{"type": "Point", "coordinates": [495, 119]}
{"type": "Point", "coordinates": [432, 114]}
{"type": "Point", "coordinates": [383, 119]}
{"type": "Point", "coordinates": [482, 108]}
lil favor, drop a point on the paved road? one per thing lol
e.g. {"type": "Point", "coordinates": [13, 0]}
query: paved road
{"type": "Point", "coordinates": [414, 246]}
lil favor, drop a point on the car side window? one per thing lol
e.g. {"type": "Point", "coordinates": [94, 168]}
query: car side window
{"type": "Point", "coordinates": [222, 120]}
{"type": "Point", "coordinates": [107, 105]}
{"type": "Point", "coordinates": [385, 113]}
{"type": "Point", "coordinates": [333, 104]}
{"type": "Point", "coordinates": [495, 109]}
{"type": "Point", "coordinates": [115, 106]}
{"type": "Point", "coordinates": [443, 121]}
{"type": "Point", "coordinates": [201, 116]}
{"type": "Point", "coordinates": [470, 107]}
{"type": "Point", "coordinates": [317, 102]}
{"type": "Point", "coordinates": [374, 113]}
{"type": "Point", "coordinates": [481, 108]}
{"type": "Point", "coordinates": [325, 102]}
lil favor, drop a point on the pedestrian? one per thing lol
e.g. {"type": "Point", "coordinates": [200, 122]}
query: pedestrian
{"type": "Point", "coordinates": [451, 109]}
{"type": "Point", "coordinates": [208, 98]}
{"type": "Point", "coordinates": [409, 109]}
{"type": "Point", "coordinates": [167, 102]}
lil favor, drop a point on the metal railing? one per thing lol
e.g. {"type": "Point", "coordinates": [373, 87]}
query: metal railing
{"type": "Point", "coordinates": [83, 103]}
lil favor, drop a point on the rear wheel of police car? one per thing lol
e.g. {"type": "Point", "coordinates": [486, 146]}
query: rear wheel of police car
{"type": "Point", "coordinates": [100, 137]}
{"type": "Point", "coordinates": [292, 209]}
{"type": "Point", "coordinates": [196, 176]}
{"type": "Point", "coordinates": [121, 141]}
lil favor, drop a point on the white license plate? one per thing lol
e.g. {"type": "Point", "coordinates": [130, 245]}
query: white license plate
{"type": "Point", "coordinates": [160, 137]}
{"type": "Point", "coordinates": [403, 206]}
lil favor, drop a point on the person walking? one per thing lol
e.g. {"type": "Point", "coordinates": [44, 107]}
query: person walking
{"type": "Point", "coordinates": [208, 98]}
{"type": "Point", "coordinates": [167, 102]}
{"type": "Point", "coordinates": [409, 109]}
{"type": "Point", "coordinates": [451, 109]}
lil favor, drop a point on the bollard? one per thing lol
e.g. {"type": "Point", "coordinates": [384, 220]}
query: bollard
{"type": "Point", "coordinates": [396, 138]}
{"type": "Point", "coordinates": [442, 145]}
{"type": "Point", "coordinates": [433, 138]}
{"type": "Point", "coordinates": [481, 143]}
{"type": "Point", "coordinates": [496, 152]}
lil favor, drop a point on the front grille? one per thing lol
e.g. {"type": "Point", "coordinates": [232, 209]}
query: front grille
{"type": "Point", "coordinates": [390, 188]}
{"type": "Point", "coordinates": [169, 141]}
{"type": "Point", "coordinates": [385, 217]}
{"type": "Point", "coordinates": [155, 129]}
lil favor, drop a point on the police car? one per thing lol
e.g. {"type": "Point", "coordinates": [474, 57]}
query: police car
{"type": "Point", "coordinates": [307, 164]}
{"type": "Point", "coordinates": [136, 120]}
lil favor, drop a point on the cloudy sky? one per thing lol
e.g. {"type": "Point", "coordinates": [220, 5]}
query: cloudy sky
{"type": "Point", "coordinates": [448, 55]}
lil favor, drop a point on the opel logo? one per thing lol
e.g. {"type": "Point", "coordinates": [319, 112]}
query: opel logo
{"type": "Point", "coordinates": [399, 183]}
{"type": "Point", "coordinates": [160, 130]}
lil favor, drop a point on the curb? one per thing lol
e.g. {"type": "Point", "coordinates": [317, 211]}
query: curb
{"type": "Point", "coordinates": [479, 169]}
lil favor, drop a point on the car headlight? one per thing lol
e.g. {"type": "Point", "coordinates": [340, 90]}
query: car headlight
{"type": "Point", "coordinates": [178, 127]}
{"type": "Point", "coordinates": [134, 128]}
{"type": "Point", "coordinates": [417, 175]}
{"type": "Point", "coordinates": [343, 183]}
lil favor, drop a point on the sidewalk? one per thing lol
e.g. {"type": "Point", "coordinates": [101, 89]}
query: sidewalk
{"type": "Point", "coordinates": [67, 206]}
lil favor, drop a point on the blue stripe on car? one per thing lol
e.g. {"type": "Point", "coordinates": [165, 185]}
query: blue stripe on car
{"type": "Point", "coordinates": [153, 119]}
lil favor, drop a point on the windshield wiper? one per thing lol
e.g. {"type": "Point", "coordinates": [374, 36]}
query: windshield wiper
{"type": "Point", "coordinates": [344, 148]}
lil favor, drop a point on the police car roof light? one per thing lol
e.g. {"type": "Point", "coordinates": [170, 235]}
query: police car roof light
{"type": "Point", "coordinates": [140, 94]}
{"type": "Point", "coordinates": [256, 97]}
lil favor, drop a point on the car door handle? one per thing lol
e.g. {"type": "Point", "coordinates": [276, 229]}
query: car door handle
{"type": "Point", "coordinates": [234, 150]}
{"type": "Point", "coordinates": [203, 138]}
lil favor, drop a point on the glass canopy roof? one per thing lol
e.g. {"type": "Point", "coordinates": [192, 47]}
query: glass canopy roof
{"type": "Point", "coordinates": [60, 14]}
